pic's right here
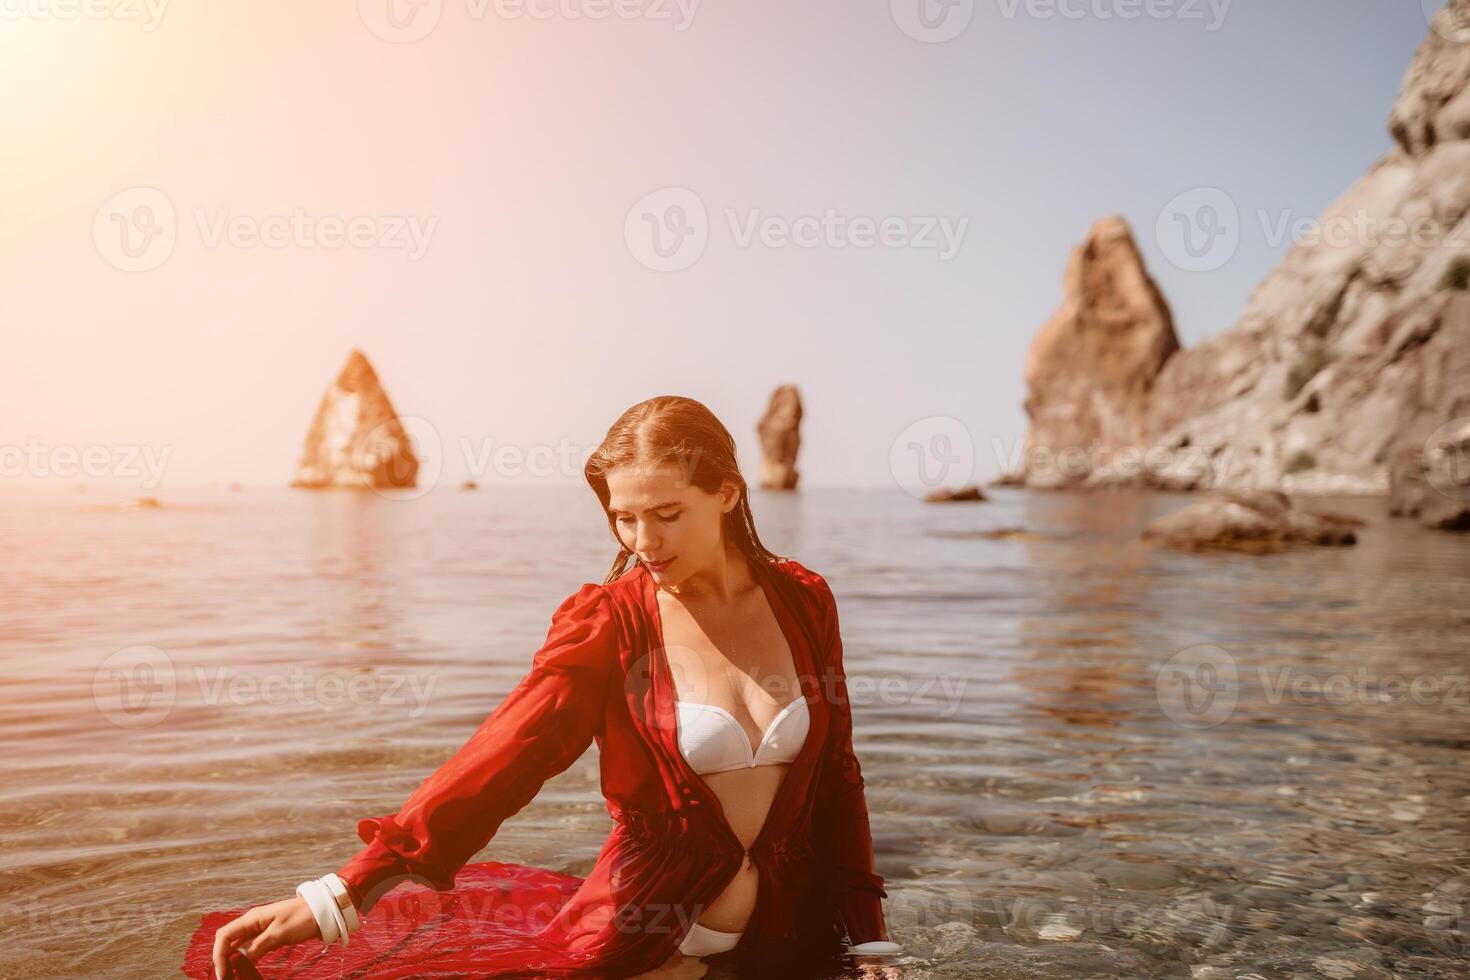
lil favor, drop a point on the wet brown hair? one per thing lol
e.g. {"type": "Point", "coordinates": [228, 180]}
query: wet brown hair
{"type": "Point", "coordinates": [678, 431]}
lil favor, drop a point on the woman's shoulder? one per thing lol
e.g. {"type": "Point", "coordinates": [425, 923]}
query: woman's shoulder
{"type": "Point", "coordinates": [804, 576]}
{"type": "Point", "coordinates": [811, 585]}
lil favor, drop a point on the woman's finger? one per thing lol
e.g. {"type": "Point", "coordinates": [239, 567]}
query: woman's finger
{"type": "Point", "coordinates": [268, 940]}
{"type": "Point", "coordinates": [228, 937]}
{"type": "Point", "coordinates": [223, 937]}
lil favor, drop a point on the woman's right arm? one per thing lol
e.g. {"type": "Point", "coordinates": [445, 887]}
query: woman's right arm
{"type": "Point", "coordinates": [540, 729]}
{"type": "Point", "coordinates": [544, 725]}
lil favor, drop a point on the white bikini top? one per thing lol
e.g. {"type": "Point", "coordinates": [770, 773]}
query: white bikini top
{"type": "Point", "coordinates": [713, 741]}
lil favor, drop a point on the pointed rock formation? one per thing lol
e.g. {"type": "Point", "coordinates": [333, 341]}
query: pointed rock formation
{"type": "Point", "coordinates": [1090, 370]}
{"type": "Point", "coordinates": [1356, 347]}
{"type": "Point", "coordinates": [780, 435]}
{"type": "Point", "coordinates": [356, 439]}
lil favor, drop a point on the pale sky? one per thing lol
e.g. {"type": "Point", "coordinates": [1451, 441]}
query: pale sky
{"type": "Point", "coordinates": [488, 174]}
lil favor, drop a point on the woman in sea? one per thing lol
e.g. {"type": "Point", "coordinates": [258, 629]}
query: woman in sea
{"type": "Point", "coordinates": [710, 676]}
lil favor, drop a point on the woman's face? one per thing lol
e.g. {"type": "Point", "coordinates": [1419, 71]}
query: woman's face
{"type": "Point", "coordinates": [660, 515]}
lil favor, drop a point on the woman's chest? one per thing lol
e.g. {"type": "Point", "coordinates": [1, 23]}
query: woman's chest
{"type": "Point", "coordinates": [736, 658]}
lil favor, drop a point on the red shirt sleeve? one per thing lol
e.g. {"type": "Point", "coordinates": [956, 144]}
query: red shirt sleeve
{"type": "Point", "coordinates": [544, 725]}
{"type": "Point", "coordinates": [841, 806]}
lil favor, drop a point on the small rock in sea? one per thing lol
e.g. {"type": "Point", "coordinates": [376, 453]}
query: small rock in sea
{"type": "Point", "coordinates": [469, 485]}
{"type": "Point", "coordinates": [965, 494]}
{"type": "Point", "coordinates": [1010, 534]}
{"type": "Point", "coordinates": [1256, 521]}
{"type": "Point", "coordinates": [140, 503]}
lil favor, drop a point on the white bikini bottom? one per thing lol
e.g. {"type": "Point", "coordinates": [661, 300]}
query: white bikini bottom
{"type": "Point", "coordinates": [704, 941]}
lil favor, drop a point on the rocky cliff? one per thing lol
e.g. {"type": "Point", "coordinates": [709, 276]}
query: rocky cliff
{"type": "Point", "coordinates": [1353, 352]}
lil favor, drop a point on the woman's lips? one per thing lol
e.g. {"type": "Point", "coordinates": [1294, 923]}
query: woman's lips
{"type": "Point", "coordinates": [658, 566]}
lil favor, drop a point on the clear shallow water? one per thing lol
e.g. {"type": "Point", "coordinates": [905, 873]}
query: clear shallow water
{"type": "Point", "coordinates": [1042, 806]}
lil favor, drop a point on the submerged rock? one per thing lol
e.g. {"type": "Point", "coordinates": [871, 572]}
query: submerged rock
{"type": "Point", "coordinates": [965, 494]}
{"type": "Point", "coordinates": [1249, 520]}
{"type": "Point", "coordinates": [356, 439]}
{"type": "Point", "coordinates": [1431, 481]}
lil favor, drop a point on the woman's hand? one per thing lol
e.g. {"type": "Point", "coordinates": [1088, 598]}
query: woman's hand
{"type": "Point", "coordinates": [262, 929]}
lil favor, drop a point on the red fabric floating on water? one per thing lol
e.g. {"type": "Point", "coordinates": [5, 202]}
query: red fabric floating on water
{"type": "Point", "coordinates": [485, 927]}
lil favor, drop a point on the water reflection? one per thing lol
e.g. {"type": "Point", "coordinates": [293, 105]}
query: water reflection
{"type": "Point", "coordinates": [1039, 807]}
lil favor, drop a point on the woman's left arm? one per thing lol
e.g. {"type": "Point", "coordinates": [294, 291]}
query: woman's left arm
{"type": "Point", "coordinates": [841, 807]}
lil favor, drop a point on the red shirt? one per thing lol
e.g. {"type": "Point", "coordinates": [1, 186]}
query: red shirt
{"type": "Point", "coordinates": [601, 676]}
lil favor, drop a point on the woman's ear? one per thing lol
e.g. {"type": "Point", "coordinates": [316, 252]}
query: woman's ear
{"type": "Point", "coordinates": [730, 493]}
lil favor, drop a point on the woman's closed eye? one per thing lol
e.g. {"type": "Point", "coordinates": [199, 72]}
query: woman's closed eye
{"type": "Point", "coordinates": [665, 520]}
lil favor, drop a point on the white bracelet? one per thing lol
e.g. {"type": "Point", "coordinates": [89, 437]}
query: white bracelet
{"type": "Point", "coordinates": [320, 901]}
{"type": "Point", "coordinates": [343, 898]}
{"type": "Point", "coordinates": [876, 947]}
{"type": "Point", "coordinates": [336, 914]}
